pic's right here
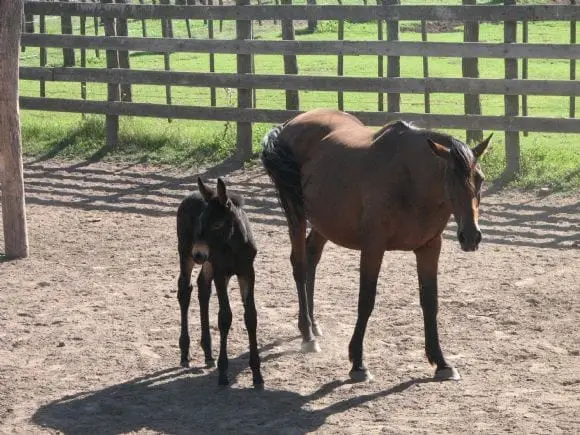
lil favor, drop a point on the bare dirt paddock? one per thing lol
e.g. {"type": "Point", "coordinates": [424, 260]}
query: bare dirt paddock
{"type": "Point", "coordinates": [89, 323]}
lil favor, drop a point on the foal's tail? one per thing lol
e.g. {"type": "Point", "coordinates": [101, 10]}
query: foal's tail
{"type": "Point", "coordinates": [284, 171]}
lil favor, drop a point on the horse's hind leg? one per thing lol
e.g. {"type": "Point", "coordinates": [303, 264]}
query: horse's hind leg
{"type": "Point", "coordinates": [203, 295]}
{"type": "Point", "coordinates": [427, 261]}
{"type": "Point", "coordinates": [314, 245]}
{"type": "Point", "coordinates": [299, 268]}
{"type": "Point", "coordinates": [184, 289]}
{"type": "Point", "coordinates": [251, 320]}
{"type": "Point", "coordinates": [225, 322]}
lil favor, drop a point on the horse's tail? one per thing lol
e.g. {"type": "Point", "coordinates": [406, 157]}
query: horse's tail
{"type": "Point", "coordinates": [284, 171]}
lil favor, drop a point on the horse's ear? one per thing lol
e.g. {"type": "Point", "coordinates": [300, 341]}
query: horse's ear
{"type": "Point", "coordinates": [221, 192]}
{"type": "Point", "coordinates": [439, 150]}
{"type": "Point", "coordinates": [205, 192]}
{"type": "Point", "coordinates": [480, 149]}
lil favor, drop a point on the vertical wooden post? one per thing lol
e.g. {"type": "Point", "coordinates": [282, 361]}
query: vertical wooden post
{"type": "Point", "coordinates": [167, 32]}
{"type": "Point", "coordinates": [393, 62]}
{"type": "Point", "coordinates": [290, 63]}
{"type": "Point", "coordinates": [96, 21]}
{"type": "Point", "coordinates": [83, 30]}
{"type": "Point", "coordinates": [425, 67]}
{"type": "Point", "coordinates": [470, 68]}
{"type": "Point", "coordinates": [312, 23]}
{"type": "Point", "coordinates": [244, 66]}
{"type": "Point", "coordinates": [42, 30]}
{"type": "Point", "coordinates": [13, 208]}
{"type": "Point", "coordinates": [572, 64]}
{"type": "Point", "coordinates": [340, 65]}
{"type": "Point", "coordinates": [68, 54]}
{"type": "Point", "coordinates": [123, 30]}
{"type": "Point", "coordinates": [221, 3]}
{"type": "Point", "coordinates": [111, 121]}
{"type": "Point", "coordinates": [380, 65]}
{"type": "Point", "coordinates": [167, 23]}
{"type": "Point", "coordinates": [210, 34]}
{"type": "Point", "coordinates": [511, 102]}
{"type": "Point", "coordinates": [143, 22]}
{"type": "Point", "coordinates": [525, 71]}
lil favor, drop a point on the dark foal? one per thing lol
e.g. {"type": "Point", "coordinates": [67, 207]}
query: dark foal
{"type": "Point", "coordinates": [214, 232]}
{"type": "Point", "coordinates": [393, 189]}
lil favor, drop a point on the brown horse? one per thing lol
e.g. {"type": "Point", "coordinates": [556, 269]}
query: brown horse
{"type": "Point", "coordinates": [394, 189]}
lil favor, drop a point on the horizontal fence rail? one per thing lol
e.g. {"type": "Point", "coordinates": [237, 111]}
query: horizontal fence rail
{"type": "Point", "coordinates": [355, 48]}
{"type": "Point", "coordinates": [315, 83]}
{"type": "Point", "coordinates": [351, 13]}
{"type": "Point", "coordinates": [269, 115]}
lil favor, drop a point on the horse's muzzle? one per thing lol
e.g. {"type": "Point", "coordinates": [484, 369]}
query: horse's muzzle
{"type": "Point", "coordinates": [200, 253]}
{"type": "Point", "coordinates": [469, 240]}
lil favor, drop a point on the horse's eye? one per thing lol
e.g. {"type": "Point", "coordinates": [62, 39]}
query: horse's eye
{"type": "Point", "coordinates": [217, 225]}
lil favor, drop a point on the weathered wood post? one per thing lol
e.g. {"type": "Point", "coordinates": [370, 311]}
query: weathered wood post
{"type": "Point", "coordinates": [511, 102]}
{"type": "Point", "coordinates": [68, 54]}
{"type": "Point", "coordinates": [470, 68]}
{"type": "Point", "coordinates": [290, 62]}
{"type": "Point", "coordinates": [393, 62]}
{"type": "Point", "coordinates": [244, 64]}
{"type": "Point", "coordinates": [111, 121]}
{"type": "Point", "coordinates": [11, 170]}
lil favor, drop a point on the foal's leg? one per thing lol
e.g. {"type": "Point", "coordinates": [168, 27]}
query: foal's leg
{"type": "Point", "coordinates": [225, 322]}
{"type": "Point", "coordinates": [427, 261]}
{"type": "Point", "coordinates": [370, 266]}
{"type": "Point", "coordinates": [299, 269]}
{"type": "Point", "coordinates": [184, 289]}
{"type": "Point", "coordinates": [203, 295]}
{"type": "Point", "coordinates": [314, 245]}
{"type": "Point", "coordinates": [251, 320]}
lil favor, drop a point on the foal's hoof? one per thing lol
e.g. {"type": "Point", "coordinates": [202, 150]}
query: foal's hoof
{"type": "Point", "coordinates": [447, 374]}
{"type": "Point", "coordinates": [310, 346]}
{"type": "Point", "coordinates": [223, 381]}
{"type": "Point", "coordinates": [184, 363]}
{"type": "Point", "coordinates": [317, 330]}
{"type": "Point", "coordinates": [210, 363]}
{"type": "Point", "coordinates": [360, 375]}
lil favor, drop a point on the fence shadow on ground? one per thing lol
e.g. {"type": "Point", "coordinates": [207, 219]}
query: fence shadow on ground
{"type": "Point", "coordinates": [158, 193]}
{"type": "Point", "coordinates": [173, 401]}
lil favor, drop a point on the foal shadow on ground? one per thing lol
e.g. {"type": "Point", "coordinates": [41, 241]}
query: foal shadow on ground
{"type": "Point", "coordinates": [173, 401]}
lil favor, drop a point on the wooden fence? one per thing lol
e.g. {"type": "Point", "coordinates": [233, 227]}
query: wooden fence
{"type": "Point", "coordinates": [245, 81]}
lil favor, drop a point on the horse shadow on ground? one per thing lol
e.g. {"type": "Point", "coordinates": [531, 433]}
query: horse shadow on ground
{"type": "Point", "coordinates": [176, 401]}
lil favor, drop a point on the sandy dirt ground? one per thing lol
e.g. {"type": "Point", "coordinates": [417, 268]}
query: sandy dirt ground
{"type": "Point", "coordinates": [89, 323]}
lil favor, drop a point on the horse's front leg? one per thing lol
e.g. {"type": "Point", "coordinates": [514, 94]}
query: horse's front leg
{"type": "Point", "coordinates": [184, 289]}
{"type": "Point", "coordinates": [370, 265]}
{"type": "Point", "coordinates": [203, 295]}
{"type": "Point", "coordinates": [224, 322]}
{"type": "Point", "coordinates": [251, 320]}
{"type": "Point", "coordinates": [427, 264]}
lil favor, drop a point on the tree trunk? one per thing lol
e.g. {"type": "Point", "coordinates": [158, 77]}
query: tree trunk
{"type": "Point", "coordinates": [13, 210]}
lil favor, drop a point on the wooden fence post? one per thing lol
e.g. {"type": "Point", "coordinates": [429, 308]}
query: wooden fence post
{"type": "Point", "coordinates": [470, 68]}
{"type": "Point", "coordinates": [511, 103]}
{"type": "Point", "coordinates": [244, 66]}
{"type": "Point", "coordinates": [427, 98]}
{"type": "Point", "coordinates": [112, 121]}
{"type": "Point", "coordinates": [42, 30]}
{"type": "Point", "coordinates": [393, 62]}
{"type": "Point", "coordinates": [525, 71]}
{"type": "Point", "coordinates": [312, 23]}
{"type": "Point", "coordinates": [123, 30]}
{"type": "Point", "coordinates": [290, 63]}
{"type": "Point", "coordinates": [13, 208]}
{"type": "Point", "coordinates": [68, 54]}
{"type": "Point", "coordinates": [380, 65]}
{"type": "Point", "coordinates": [572, 64]}
{"type": "Point", "coordinates": [210, 35]}
{"type": "Point", "coordinates": [340, 63]}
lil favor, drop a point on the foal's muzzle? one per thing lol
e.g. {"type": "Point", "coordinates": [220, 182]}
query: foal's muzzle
{"type": "Point", "coordinates": [200, 253]}
{"type": "Point", "coordinates": [469, 240]}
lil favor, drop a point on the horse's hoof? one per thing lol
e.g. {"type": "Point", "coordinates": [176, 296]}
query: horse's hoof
{"type": "Point", "coordinates": [310, 346]}
{"type": "Point", "coordinates": [363, 375]}
{"type": "Point", "coordinates": [447, 374]}
{"type": "Point", "coordinates": [223, 381]}
{"type": "Point", "coordinates": [184, 364]}
{"type": "Point", "coordinates": [210, 363]}
{"type": "Point", "coordinates": [259, 385]}
{"type": "Point", "coordinates": [317, 330]}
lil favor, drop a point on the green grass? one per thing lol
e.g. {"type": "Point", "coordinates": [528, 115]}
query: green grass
{"type": "Point", "coordinates": [547, 159]}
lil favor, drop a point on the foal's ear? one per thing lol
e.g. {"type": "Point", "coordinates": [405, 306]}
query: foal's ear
{"type": "Point", "coordinates": [205, 192]}
{"type": "Point", "coordinates": [221, 192]}
{"type": "Point", "coordinates": [439, 150]}
{"type": "Point", "coordinates": [480, 149]}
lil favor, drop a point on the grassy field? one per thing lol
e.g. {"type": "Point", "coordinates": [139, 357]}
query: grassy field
{"type": "Point", "coordinates": [548, 159]}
